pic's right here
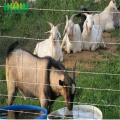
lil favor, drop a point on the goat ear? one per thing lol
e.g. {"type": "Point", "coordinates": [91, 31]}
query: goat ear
{"type": "Point", "coordinates": [82, 7]}
{"type": "Point", "coordinates": [66, 18]}
{"type": "Point", "coordinates": [61, 83]}
{"type": "Point", "coordinates": [59, 34]}
{"type": "Point", "coordinates": [49, 32]}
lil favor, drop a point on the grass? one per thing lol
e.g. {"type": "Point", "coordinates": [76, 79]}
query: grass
{"type": "Point", "coordinates": [33, 25]}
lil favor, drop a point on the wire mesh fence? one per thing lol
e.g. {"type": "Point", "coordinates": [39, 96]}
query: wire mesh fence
{"type": "Point", "coordinates": [97, 73]}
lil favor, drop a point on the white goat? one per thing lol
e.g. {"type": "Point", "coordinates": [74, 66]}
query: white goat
{"type": "Point", "coordinates": [92, 34]}
{"type": "Point", "coordinates": [99, 1]}
{"type": "Point", "coordinates": [50, 47]}
{"type": "Point", "coordinates": [105, 18]}
{"type": "Point", "coordinates": [72, 36]}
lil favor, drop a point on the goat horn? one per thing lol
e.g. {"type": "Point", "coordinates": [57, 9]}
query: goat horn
{"type": "Point", "coordinates": [64, 32]}
{"type": "Point", "coordinates": [58, 25]}
{"type": "Point", "coordinates": [73, 16]}
{"type": "Point", "coordinates": [66, 18]}
{"type": "Point", "coordinates": [82, 7]}
{"type": "Point", "coordinates": [74, 68]}
{"type": "Point", "coordinates": [51, 25]}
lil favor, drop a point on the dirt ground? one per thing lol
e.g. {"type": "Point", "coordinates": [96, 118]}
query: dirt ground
{"type": "Point", "coordinates": [69, 59]}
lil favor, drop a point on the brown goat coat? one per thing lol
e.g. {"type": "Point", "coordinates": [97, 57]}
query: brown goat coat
{"type": "Point", "coordinates": [27, 73]}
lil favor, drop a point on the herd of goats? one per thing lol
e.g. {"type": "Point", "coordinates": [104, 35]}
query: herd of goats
{"type": "Point", "coordinates": [45, 78]}
{"type": "Point", "coordinates": [87, 35]}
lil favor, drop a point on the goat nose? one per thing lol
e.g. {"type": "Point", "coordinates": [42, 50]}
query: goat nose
{"type": "Point", "coordinates": [90, 28]}
{"type": "Point", "coordinates": [70, 107]}
{"type": "Point", "coordinates": [53, 39]}
{"type": "Point", "coordinates": [69, 35]}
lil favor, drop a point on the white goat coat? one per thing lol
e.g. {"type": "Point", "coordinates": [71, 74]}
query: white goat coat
{"type": "Point", "coordinates": [105, 18]}
{"type": "Point", "coordinates": [95, 37]}
{"type": "Point", "coordinates": [48, 48]}
{"type": "Point", "coordinates": [75, 43]}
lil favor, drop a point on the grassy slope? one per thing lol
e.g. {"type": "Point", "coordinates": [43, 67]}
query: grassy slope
{"type": "Point", "coordinates": [34, 25]}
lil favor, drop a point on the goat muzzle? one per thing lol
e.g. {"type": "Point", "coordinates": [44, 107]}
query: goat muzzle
{"type": "Point", "coordinates": [69, 106]}
{"type": "Point", "coordinates": [89, 29]}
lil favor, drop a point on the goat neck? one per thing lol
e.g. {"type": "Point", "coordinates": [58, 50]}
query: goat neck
{"type": "Point", "coordinates": [70, 35]}
{"type": "Point", "coordinates": [86, 28]}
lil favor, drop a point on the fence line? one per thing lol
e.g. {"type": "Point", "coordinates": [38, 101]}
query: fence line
{"type": "Point", "coordinates": [68, 71]}
{"type": "Point", "coordinates": [109, 105]}
{"type": "Point", "coordinates": [35, 39]}
{"type": "Point", "coordinates": [61, 10]}
{"type": "Point", "coordinates": [41, 84]}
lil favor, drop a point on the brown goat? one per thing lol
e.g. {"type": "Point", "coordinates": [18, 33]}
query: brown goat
{"type": "Point", "coordinates": [36, 77]}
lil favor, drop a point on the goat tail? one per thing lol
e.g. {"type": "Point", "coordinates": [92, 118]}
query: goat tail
{"type": "Point", "coordinates": [11, 47]}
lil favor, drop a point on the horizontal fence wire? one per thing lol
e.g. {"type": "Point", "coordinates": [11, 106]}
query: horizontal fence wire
{"type": "Point", "coordinates": [60, 10]}
{"type": "Point", "coordinates": [60, 101]}
{"type": "Point", "coordinates": [40, 84]}
{"type": "Point", "coordinates": [68, 71]}
{"type": "Point", "coordinates": [37, 39]}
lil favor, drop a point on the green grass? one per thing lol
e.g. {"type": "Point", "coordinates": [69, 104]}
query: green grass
{"type": "Point", "coordinates": [33, 25]}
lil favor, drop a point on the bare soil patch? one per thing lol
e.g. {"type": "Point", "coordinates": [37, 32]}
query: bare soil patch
{"type": "Point", "coordinates": [98, 55]}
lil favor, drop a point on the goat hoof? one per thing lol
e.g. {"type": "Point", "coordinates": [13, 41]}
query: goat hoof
{"type": "Point", "coordinates": [65, 52]}
{"type": "Point", "coordinates": [71, 51]}
{"type": "Point", "coordinates": [107, 48]}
